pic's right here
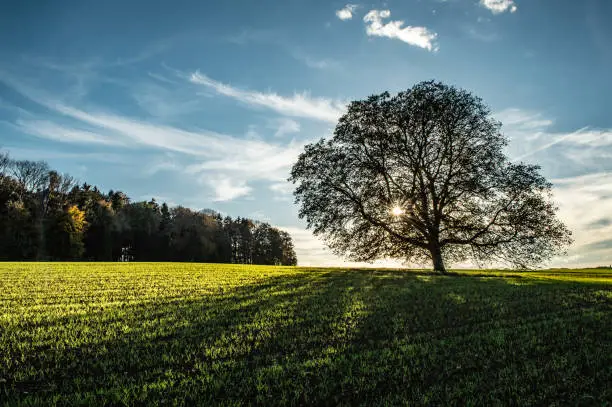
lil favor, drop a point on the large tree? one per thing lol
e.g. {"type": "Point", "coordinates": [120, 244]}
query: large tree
{"type": "Point", "coordinates": [422, 176]}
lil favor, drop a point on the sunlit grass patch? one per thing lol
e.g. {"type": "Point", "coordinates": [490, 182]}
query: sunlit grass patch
{"type": "Point", "coordinates": [204, 334]}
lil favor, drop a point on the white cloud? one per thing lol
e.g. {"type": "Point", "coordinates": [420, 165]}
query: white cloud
{"type": "Point", "coordinates": [5, 105]}
{"type": "Point", "coordinates": [52, 131]}
{"type": "Point", "coordinates": [585, 201]}
{"type": "Point", "coordinates": [264, 162]}
{"type": "Point", "coordinates": [160, 136]}
{"type": "Point", "coordinates": [417, 36]}
{"type": "Point", "coordinates": [346, 13]}
{"type": "Point", "coordinates": [284, 126]}
{"type": "Point", "coordinates": [36, 154]}
{"type": "Point", "coordinates": [227, 189]}
{"type": "Point", "coordinates": [227, 163]}
{"type": "Point", "coordinates": [283, 190]}
{"type": "Point", "coordinates": [523, 119]}
{"type": "Point", "coordinates": [299, 105]}
{"type": "Point", "coordinates": [499, 6]}
{"type": "Point", "coordinates": [530, 134]}
{"type": "Point", "coordinates": [164, 102]}
{"type": "Point", "coordinates": [167, 163]}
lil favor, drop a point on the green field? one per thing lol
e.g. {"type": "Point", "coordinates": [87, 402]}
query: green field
{"type": "Point", "coordinates": [204, 334]}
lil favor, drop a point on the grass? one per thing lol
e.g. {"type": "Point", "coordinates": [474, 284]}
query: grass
{"type": "Point", "coordinates": [189, 334]}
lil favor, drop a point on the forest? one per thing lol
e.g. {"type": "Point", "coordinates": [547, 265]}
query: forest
{"type": "Point", "coordinates": [49, 216]}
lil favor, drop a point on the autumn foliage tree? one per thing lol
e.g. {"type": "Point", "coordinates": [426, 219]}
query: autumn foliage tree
{"type": "Point", "coordinates": [65, 234]}
{"type": "Point", "coordinates": [422, 176]}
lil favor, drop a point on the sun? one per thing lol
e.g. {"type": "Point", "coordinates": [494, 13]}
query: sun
{"type": "Point", "coordinates": [397, 211]}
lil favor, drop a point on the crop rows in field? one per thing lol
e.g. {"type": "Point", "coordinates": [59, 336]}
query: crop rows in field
{"type": "Point", "coordinates": [230, 335]}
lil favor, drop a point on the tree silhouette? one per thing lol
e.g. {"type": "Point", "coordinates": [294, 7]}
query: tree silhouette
{"type": "Point", "coordinates": [422, 176]}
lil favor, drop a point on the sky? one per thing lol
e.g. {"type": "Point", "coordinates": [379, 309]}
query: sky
{"type": "Point", "coordinates": [208, 104]}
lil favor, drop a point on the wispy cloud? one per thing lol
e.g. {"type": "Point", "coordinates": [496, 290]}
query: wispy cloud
{"type": "Point", "coordinates": [284, 126]}
{"type": "Point", "coordinates": [346, 13]}
{"type": "Point", "coordinates": [298, 105]}
{"type": "Point", "coordinates": [499, 6]}
{"type": "Point", "coordinates": [6, 106]}
{"type": "Point", "coordinates": [313, 62]}
{"type": "Point", "coordinates": [600, 223]}
{"type": "Point", "coordinates": [227, 189]}
{"type": "Point", "coordinates": [152, 135]}
{"type": "Point", "coordinates": [87, 71]}
{"type": "Point", "coordinates": [226, 163]}
{"type": "Point", "coordinates": [166, 163]}
{"type": "Point", "coordinates": [261, 161]}
{"type": "Point", "coordinates": [53, 131]}
{"type": "Point", "coordinates": [49, 154]}
{"type": "Point", "coordinates": [530, 133]}
{"type": "Point", "coordinates": [582, 136]}
{"type": "Point", "coordinates": [283, 191]}
{"type": "Point", "coordinates": [522, 119]}
{"type": "Point", "coordinates": [416, 36]}
{"type": "Point", "coordinates": [164, 102]}
{"type": "Point", "coordinates": [242, 160]}
{"type": "Point", "coordinates": [583, 200]}
{"type": "Point", "coordinates": [162, 78]}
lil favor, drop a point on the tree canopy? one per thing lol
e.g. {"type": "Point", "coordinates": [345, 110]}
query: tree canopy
{"type": "Point", "coordinates": [422, 176]}
{"type": "Point", "coordinates": [45, 215]}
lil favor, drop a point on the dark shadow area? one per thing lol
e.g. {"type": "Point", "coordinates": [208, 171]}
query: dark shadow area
{"type": "Point", "coordinates": [327, 338]}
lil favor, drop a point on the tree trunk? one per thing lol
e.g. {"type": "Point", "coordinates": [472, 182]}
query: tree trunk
{"type": "Point", "coordinates": [438, 261]}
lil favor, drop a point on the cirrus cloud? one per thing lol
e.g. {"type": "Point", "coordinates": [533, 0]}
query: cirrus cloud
{"type": "Point", "coordinates": [298, 105]}
{"type": "Point", "coordinates": [225, 163]}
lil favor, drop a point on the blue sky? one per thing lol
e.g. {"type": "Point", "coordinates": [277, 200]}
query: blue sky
{"type": "Point", "coordinates": [207, 104]}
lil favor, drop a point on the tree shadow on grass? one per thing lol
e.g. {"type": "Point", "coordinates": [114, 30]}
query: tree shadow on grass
{"type": "Point", "coordinates": [482, 341]}
{"type": "Point", "coordinates": [330, 338]}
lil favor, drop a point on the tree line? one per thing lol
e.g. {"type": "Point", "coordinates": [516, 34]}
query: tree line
{"type": "Point", "coordinates": [46, 215]}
